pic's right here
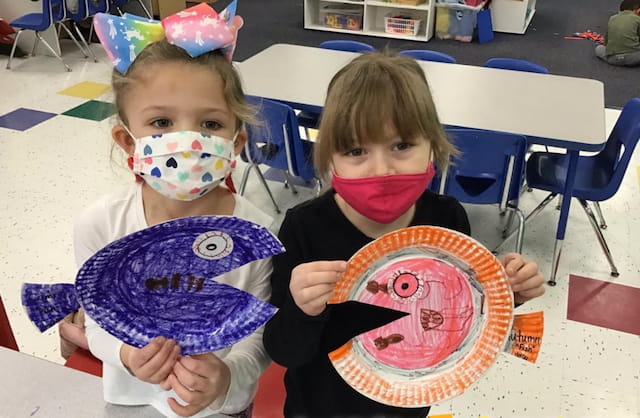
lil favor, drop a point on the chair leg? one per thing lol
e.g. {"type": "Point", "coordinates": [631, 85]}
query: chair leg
{"type": "Point", "coordinates": [603, 224]}
{"type": "Point", "coordinates": [266, 186]}
{"type": "Point", "coordinates": [288, 182]}
{"type": "Point", "coordinates": [507, 226]}
{"type": "Point", "coordinates": [52, 51]}
{"type": "Point", "coordinates": [530, 216]}
{"type": "Point", "coordinates": [601, 240]}
{"type": "Point", "coordinates": [521, 224]}
{"type": "Point", "coordinates": [145, 9]}
{"type": "Point", "coordinates": [245, 178]}
{"type": "Point", "coordinates": [13, 48]}
{"type": "Point", "coordinates": [35, 45]}
{"type": "Point", "coordinates": [91, 32]}
{"type": "Point", "coordinates": [73, 38]}
{"type": "Point", "coordinates": [84, 42]}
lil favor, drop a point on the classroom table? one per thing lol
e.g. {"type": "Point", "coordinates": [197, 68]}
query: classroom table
{"type": "Point", "coordinates": [33, 387]}
{"type": "Point", "coordinates": [559, 111]}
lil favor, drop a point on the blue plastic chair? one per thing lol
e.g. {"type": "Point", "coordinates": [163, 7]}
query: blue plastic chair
{"type": "Point", "coordinates": [349, 46]}
{"type": "Point", "coordinates": [598, 176]}
{"type": "Point", "coordinates": [487, 171]}
{"type": "Point", "coordinates": [429, 55]}
{"type": "Point", "coordinates": [117, 4]}
{"type": "Point", "coordinates": [39, 22]}
{"type": "Point", "coordinates": [276, 142]}
{"type": "Point", "coordinates": [516, 65]}
{"type": "Point", "coordinates": [97, 6]}
{"type": "Point", "coordinates": [78, 15]}
{"type": "Point", "coordinates": [93, 7]}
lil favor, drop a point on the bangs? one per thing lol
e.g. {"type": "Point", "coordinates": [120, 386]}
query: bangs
{"type": "Point", "coordinates": [370, 96]}
{"type": "Point", "coordinates": [369, 104]}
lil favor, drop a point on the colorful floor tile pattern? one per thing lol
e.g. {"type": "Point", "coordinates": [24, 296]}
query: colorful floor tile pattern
{"type": "Point", "coordinates": [86, 90]}
{"type": "Point", "coordinates": [604, 304]}
{"type": "Point", "coordinates": [22, 119]}
{"type": "Point", "coordinates": [92, 110]}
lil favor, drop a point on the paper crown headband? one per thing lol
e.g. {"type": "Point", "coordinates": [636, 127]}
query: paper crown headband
{"type": "Point", "coordinates": [197, 30]}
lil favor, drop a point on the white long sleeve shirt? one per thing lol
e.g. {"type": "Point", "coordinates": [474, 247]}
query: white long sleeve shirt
{"type": "Point", "coordinates": [122, 213]}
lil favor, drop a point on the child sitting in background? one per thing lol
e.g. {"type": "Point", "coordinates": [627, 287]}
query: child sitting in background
{"type": "Point", "coordinates": [622, 39]}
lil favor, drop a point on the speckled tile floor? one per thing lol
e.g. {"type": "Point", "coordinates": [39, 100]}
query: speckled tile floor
{"type": "Point", "coordinates": [58, 166]}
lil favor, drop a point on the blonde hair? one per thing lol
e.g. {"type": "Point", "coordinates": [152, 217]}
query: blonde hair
{"type": "Point", "coordinates": [373, 90]}
{"type": "Point", "coordinates": [164, 52]}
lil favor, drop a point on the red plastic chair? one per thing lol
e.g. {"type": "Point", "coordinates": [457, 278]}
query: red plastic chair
{"type": "Point", "coordinates": [269, 401]}
{"type": "Point", "coordinates": [84, 361]}
{"type": "Point", "coordinates": [6, 334]}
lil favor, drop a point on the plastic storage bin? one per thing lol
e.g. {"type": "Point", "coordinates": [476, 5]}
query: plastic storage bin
{"type": "Point", "coordinates": [342, 17]}
{"type": "Point", "coordinates": [405, 25]}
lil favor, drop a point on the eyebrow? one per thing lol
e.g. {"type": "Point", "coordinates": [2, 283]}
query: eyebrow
{"type": "Point", "coordinates": [154, 108]}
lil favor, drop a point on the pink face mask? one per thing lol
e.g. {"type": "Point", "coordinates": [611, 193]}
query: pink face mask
{"type": "Point", "coordinates": [383, 199]}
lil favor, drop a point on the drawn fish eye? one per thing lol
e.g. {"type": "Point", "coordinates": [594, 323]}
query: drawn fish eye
{"type": "Point", "coordinates": [405, 286]}
{"type": "Point", "coordinates": [213, 245]}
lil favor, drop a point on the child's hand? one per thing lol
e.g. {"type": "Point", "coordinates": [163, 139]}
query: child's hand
{"type": "Point", "coordinates": [525, 279]}
{"type": "Point", "coordinates": [312, 284]}
{"type": "Point", "coordinates": [153, 362]}
{"type": "Point", "coordinates": [198, 380]}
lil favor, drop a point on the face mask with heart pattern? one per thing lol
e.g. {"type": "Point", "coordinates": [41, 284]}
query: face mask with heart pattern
{"type": "Point", "coordinates": [183, 165]}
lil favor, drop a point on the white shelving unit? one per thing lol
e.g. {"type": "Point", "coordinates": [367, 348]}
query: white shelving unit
{"type": "Point", "coordinates": [373, 17]}
{"type": "Point", "coordinates": [512, 16]}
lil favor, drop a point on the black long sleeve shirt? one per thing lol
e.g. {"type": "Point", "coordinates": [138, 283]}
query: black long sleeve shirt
{"type": "Point", "coordinates": [313, 231]}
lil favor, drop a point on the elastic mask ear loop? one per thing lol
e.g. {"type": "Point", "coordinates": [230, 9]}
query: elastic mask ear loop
{"type": "Point", "coordinates": [229, 180]}
{"type": "Point", "coordinates": [139, 179]}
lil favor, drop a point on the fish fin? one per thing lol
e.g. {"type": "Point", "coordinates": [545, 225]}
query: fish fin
{"type": "Point", "coordinates": [48, 304]}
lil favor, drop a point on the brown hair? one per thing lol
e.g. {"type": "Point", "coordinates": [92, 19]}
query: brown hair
{"type": "Point", "coordinates": [629, 5]}
{"type": "Point", "coordinates": [163, 52]}
{"type": "Point", "coordinates": [370, 92]}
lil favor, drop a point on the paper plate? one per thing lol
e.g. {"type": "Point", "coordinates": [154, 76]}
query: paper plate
{"type": "Point", "coordinates": [158, 281]}
{"type": "Point", "coordinates": [460, 309]}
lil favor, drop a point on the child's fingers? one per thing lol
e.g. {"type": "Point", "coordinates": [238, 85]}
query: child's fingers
{"type": "Point", "coordinates": [187, 379]}
{"type": "Point", "coordinates": [150, 368]}
{"type": "Point", "coordinates": [535, 281]}
{"type": "Point", "coordinates": [321, 266]}
{"type": "Point", "coordinates": [318, 303]}
{"type": "Point", "coordinates": [165, 368]}
{"type": "Point", "coordinates": [525, 273]}
{"type": "Point", "coordinates": [183, 411]}
{"type": "Point", "coordinates": [144, 354]}
{"type": "Point", "coordinates": [319, 291]}
{"type": "Point", "coordinates": [512, 262]}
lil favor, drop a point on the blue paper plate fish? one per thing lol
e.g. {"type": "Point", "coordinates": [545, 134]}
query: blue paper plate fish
{"type": "Point", "coordinates": [158, 281]}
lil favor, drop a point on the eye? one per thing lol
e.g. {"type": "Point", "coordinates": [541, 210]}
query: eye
{"type": "Point", "coordinates": [161, 123]}
{"type": "Point", "coordinates": [402, 146]}
{"type": "Point", "coordinates": [356, 152]}
{"type": "Point", "coordinates": [213, 245]}
{"type": "Point", "coordinates": [405, 286]}
{"type": "Point", "coordinates": [211, 125]}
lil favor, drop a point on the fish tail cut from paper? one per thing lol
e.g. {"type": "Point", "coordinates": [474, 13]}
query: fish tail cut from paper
{"type": "Point", "coordinates": [525, 339]}
{"type": "Point", "coordinates": [48, 304]}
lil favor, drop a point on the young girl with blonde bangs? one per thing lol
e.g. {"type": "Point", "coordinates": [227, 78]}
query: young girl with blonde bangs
{"type": "Point", "coordinates": [378, 137]}
{"type": "Point", "coordinates": [166, 90]}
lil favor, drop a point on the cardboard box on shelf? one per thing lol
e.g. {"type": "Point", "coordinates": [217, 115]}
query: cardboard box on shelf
{"type": "Point", "coordinates": [164, 8]}
{"type": "Point", "coordinates": [409, 2]}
